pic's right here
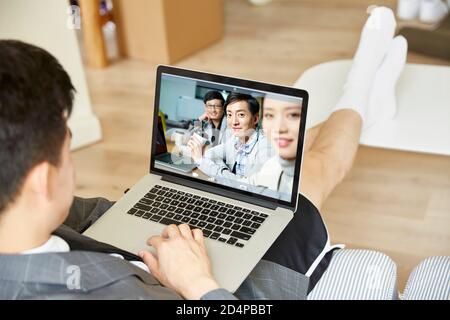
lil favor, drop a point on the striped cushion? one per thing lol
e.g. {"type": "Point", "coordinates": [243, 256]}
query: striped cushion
{"type": "Point", "coordinates": [430, 280]}
{"type": "Point", "coordinates": [357, 275]}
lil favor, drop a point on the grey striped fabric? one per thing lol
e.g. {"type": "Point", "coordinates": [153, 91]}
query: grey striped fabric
{"type": "Point", "coordinates": [357, 275]}
{"type": "Point", "coordinates": [430, 280]}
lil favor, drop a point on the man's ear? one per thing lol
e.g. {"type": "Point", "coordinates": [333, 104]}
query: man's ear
{"type": "Point", "coordinates": [38, 180]}
{"type": "Point", "coordinates": [256, 118]}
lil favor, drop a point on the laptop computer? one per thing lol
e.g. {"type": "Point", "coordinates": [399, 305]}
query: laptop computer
{"type": "Point", "coordinates": [239, 223]}
{"type": "Point", "coordinates": [171, 160]}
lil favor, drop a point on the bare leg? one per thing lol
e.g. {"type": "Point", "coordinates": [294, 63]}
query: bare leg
{"type": "Point", "coordinates": [311, 135]}
{"type": "Point", "coordinates": [330, 155]}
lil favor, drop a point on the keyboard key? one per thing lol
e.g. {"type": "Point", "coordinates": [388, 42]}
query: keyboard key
{"type": "Point", "coordinates": [168, 221]}
{"type": "Point", "coordinates": [237, 208]}
{"type": "Point", "coordinates": [139, 213]}
{"type": "Point", "coordinates": [190, 200]}
{"type": "Point", "coordinates": [146, 201]}
{"type": "Point", "coordinates": [238, 220]}
{"type": "Point", "coordinates": [256, 225]}
{"type": "Point", "coordinates": [236, 226]}
{"type": "Point", "coordinates": [142, 206]}
{"type": "Point", "coordinates": [179, 211]}
{"type": "Point", "coordinates": [250, 231]}
{"type": "Point", "coordinates": [164, 206]}
{"type": "Point", "coordinates": [246, 210]}
{"type": "Point", "coordinates": [212, 201]}
{"type": "Point", "coordinates": [156, 218]}
{"type": "Point", "coordinates": [247, 216]}
{"type": "Point", "coordinates": [157, 186]}
{"type": "Point", "coordinates": [162, 212]}
{"type": "Point", "coordinates": [230, 218]}
{"type": "Point", "coordinates": [167, 200]}
{"type": "Point", "coordinates": [206, 233]}
{"type": "Point", "coordinates": [207, 205]}
{"type": "Point", "coordinates": [187, 213]}
{"type": "Point", "coordinates": [222, 216]}
{"type": "Point", "coordinates": [190, 207]}
{"type": "Point", "coordinates": [221, 204]}
{"type": "Point", "coordinates": [156, 204]}
{"type": "Point", "coordinates": [263, 215]}
{"type": "Point", "coordinates": [182, 205]}
{"type": "Point", "coordinates": [227, 224]}
{"type": "Point", "coordinates": [198, 209]}
{"type": "Point", "coordinates": [154, 210]}
{"type": "Point", "coordinates": [222, 240]}
{"type": "Point", "coordinates": [210, 226]}
{"type": "Point", "coordinates": [154, 190]}
{"type": "Point", "coordinates": [165, 188]}
{"type": "Point", "coordinates": [150, 196]}
{"type": "Point", "coordinates": [203, 217]}
{"type": "Point", "coordinates": [184, 198]}
{"type": "Point", "coordinates": [171, 208]}
{"type": "Point", "coordinates": [175, 202]}
{"type": "Point", "coordinates": [238, 214]}
{"type": "Point", "coordinates": [240, 235]}
{"type": "Point", "coordinates": [170, 215]}
{"type": "Point", "coordinates": [159, 198]}
{"type": "Point", "coordinates": [215, 236]}
{"type": "Point", "coordinates": [201, 224]}
{"type": "Point", "coordinates": [204, 199]}
{"type": "Point", "coordinates": [194, 222]}
{"type": "Point", "coordinates": [218, 229]}
{"type": "Point", "coordinates": [226, 231]}
{"type": "Point", "coordinates": [195, 215]}
{"type": "Point", "coordinates": [210, 220]}
{"type": "Point", "coordinates": [240, 245]}
{"type": "Point", "coordinates": [214, 213]}
{"type": "Point", "coordinates": [206, 211]}
{"type": "Point", "coordinates": [232, 240]}
{"type": "Point", "coordinates": [222, 209]}
{"type": "Point", "coordinates": [255, 213]}
{"type": "Point", "coordinates": [132, 211]}
{"type": "Point", "coordinates": [231, 211]}
{"type": "Point", "coordinates": [178, 217]}
{"type": "Point", "coordinates": [214, 207]}
{"type": "Point", "coordinates": [219, 222]}
{"type": "Point", "coordinates": [176, 197]}
{"type": "Point", "coordinates": [258, 219]}
{"type": "Point", "coordinates": [196, 197]}
{"type": "Point", "coordinates": [185, 219]}
{"type": "Point", "coordinates": [229, 206]}
{"type": "Point", "coordinates": [180, 192]}
{"type": "Point", "coordinates": [247, 223]}
{"type": "Point", "coordinates": [147, 215]}
{"type": "Point", "coordinates": [199, 203]}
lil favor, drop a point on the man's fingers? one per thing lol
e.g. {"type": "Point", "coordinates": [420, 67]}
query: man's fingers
{"type": "Point", "coordinates": [171, 231]}
{"type": "Point", "coordinates": [198, 236]}
{"type": "Point", "coordinates": [150, 260]}
{"type": "Point", "coordinates": [155, 241]}
{"type": "Point", "coordinates": [185, 231]}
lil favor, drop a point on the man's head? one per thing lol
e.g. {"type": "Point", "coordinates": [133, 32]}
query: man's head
{"type": "Point", "coordinates": [36, 97]}
{"type": "Point", "coordinates": [242, 113]}
{"type": "Point", "coordinates": [214, 105]}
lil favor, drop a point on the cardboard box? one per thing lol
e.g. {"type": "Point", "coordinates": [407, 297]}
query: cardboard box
{"type": "Point", "coordinates": [164, 31]}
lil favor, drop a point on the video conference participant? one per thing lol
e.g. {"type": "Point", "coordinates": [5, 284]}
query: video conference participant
{"type": "Point", "coordinates": [212, 124]}
{"type": "Point", "coordinates": [245, 150]}
{"type": "Point", "coordinates": [281, 124]}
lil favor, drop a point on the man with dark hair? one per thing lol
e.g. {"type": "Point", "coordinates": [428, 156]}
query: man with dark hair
{"type": "Point", "coordinates": [212, 124]}
{"type": "Point", "coordinates": [37, 183]}
{"type": "Point", "coordinates": [244, 151]}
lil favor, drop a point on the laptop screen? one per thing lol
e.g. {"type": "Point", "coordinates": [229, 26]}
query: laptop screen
{"type": "Point", "coordinates": [237, 135]}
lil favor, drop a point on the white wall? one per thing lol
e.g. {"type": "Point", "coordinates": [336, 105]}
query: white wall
{"type": "Point", "coordinates": [44, 23]}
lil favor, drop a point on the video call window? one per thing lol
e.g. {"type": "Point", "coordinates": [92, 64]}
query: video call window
{"type": "Point", "coordinates": [237, 137]}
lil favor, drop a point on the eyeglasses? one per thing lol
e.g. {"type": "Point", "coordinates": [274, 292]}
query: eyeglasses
{"type": "Point", "coordinates": [213, 106]}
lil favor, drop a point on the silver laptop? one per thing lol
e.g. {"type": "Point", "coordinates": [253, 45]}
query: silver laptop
{"type": "Point", "coordinates": [240, 222]}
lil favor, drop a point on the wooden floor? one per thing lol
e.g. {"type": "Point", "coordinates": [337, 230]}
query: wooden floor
{"type": "Point", "coordinates": [395, 202]}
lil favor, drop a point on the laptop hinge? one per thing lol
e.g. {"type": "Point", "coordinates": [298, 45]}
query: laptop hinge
{"type": "Point", "coordinates": [220, 192]}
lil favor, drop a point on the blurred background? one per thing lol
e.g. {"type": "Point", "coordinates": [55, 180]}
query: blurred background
{"type": "Point", "coordinates": [396, 202]}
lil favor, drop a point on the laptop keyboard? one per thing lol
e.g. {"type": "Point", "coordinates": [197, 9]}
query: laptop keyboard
{"type": "Point", "coordinates": [218, 221]}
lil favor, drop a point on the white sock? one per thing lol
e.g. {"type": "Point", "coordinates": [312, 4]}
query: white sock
{"type": "Point", "coordinates": [375, 40]}
{"type": "Point", "coordinates": [382, 101]}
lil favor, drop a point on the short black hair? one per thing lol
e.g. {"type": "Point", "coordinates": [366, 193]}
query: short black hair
{"type": "Point", "coordinates": [35, 94]}
{"type": "Point", "coordinates": [253, 104]}
{"type": "Point", "coordinates": [213, 95]}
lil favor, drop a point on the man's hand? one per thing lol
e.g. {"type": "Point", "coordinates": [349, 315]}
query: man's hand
{"type": "Point", "coordinates": [181, 261]}
{"type": "Point", "coordinates": [196, 149]}
{"type": "Point", "coordinates": [203, 117]}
